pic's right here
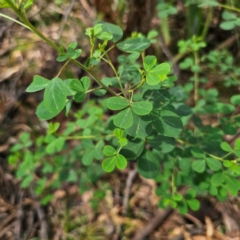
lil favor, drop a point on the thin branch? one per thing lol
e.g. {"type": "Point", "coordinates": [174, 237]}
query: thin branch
{"type": "Point", "coordinates": [155, 223]}
{"type": "Point", "coordinates": [65, 18]}
{"type": "Point", "coordinates": [169, 56]}
{"type": "Point", "coordinates": [131, 175]}
{"type": "Point", "coordinates": [17, 230]}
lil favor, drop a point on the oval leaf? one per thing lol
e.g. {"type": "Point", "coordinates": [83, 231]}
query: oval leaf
{"type": "Point", "coordinates": [76, 85]}
{"type": "Point", "coordinates": [38, 84]}
{"type": "Point", "coordinates": [117, 103]}
{"type": "Point", "coordinates": [55, 96]}
{"type": "Point", "coordinates": [199, 166]}
{"type": "Point", "coordinates": [43, 113]}
{"type": "Point", "coordinates": [108, 164]}
{"type": "Point", "coordinates": [142, 108]}
{"type": "Point", "coordinates": [141, 128]}
{"type": "Point", "coordinates": [120, 161]}
{"type": "Point", "coordinates": [80, 96]}
{"type": "Point", "coordinates": [149, 62]}
{"type": "Point", "coordinates": [109, 150]}
{"type": "Point", "coordinates": [124, 119]}
{"type": "Point", "coordinates": [167, 123]}
{"type": "Point", "coordinates": [213, 164]}
{"type": "Point", "coordinates": [217, 178]}
{"type": "Point", "coordinates": [86, 82]}
{"type": "Point", "coordinates": [134, 45]}
{"type": "Point", "coordinates": [116, 31]}
{"type": "Point", "coordinates": [148, 165]}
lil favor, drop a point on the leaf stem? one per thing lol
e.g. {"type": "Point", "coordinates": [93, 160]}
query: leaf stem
{"type": "Point", "coordinates": [108, 60]}
{"type": "Point", "coordinates": [229, 7]}
{"type": "Point", "coordinates": [14, 20]}
{"type": "Point", "coordinates": [65, 64]}
{"type": "Point", "coordinates": [196, 78]}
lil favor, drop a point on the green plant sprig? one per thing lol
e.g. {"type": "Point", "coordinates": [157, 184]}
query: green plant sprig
{"type": "Point", "coordinates": [26, 22]}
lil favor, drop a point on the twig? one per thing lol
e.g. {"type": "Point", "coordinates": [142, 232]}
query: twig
{"type": "Point", "coordinates": [17, 230]}
{"type": "Point", "coordinates": [88, 9]}
{"type": "Point", "coordinates": [6, 229]}
{"type": "Point", "coordinates": [42, 219]}
{"type": "Point", "coordinates": [156, 222]}
{"type": "Point", "coordinates": [43, 223]}
{"type": "Point", "coordinates": [169, 56]}
{"type": "Point", "coordinates": [68, 10]}
{"type": "Point", "coordinates": [131, 175]}
{"type": "Point", "coordinates": [228, 42]}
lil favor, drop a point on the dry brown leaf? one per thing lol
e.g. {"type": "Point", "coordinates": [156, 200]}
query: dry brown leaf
{"type": "Point", "coordinates": [209, 227]}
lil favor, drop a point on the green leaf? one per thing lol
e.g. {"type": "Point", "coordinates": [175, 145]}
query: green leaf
{"type": "Point", "coordinates": [88, 157]}
{"type": "Point", "coordinates": [134, 45]}
{"type": "Point", "coordinates": [183, 110]}
{"type": "Point", "coordinates": [235, 100]}
{"type": "Point", "coordinates": [229, 25]}
{"type": "Point", "coordinates": [182, 207]}
{"type": "Point", "coordinates": [177, 197]}
{"type": "Point", "coordinates": [237, 144]}
{"type": "Point", "coordinates": [74, 53]}
{"type": "Point", "coordinates": [217, 178]}
{"type": "Point", "coordinates": [76, 85]}
{"type": "Point", "coordinates": [233, 184]}
{"type": "Point", "coordinates": [98, 150]}
{"type": "Point", "coordinates": [225, 108]}
{"type": "Point", "coordinates": [159, 97]}
{"type": "Point", "coordinates": [120, 161]}
{"type": "Point", "coordinates": [226, 147]}
{"type": "Point", "coordinates": [86, 82]}
{"type": "Point", "coordinates": [199, 166]}
{"type": "Point", "coordinates": [158, 74]}
{"type": "Point", "coordinates": [197, 152]}
{"type": "Point", "coordinates": [27, 180]}
{"type": "Point", "coordinates": [38, 84]}
{"type": "Point", "coordinates": [184, 163]}
{"type": "Point", "coordinates": [123, 142]}
{"type": "Point", "coordinates": [162, 143]}
{"type": "Point", "coordinates": [142, 126]}
{"type": "Point", "coordinates": [213, 164]}
{"type": "Point", "coordinates": [213, 190]}
{"type": "Point", "coordinates": [108, 164]}
{"type": "Point", "coordinates": [149, 62]}
{"type": "Point", "coordinates": [116, 31]}
{"type": "Point", "coordinates": [62, 58]}
{"type": "Point", "coordinates": [148, 165]}
{"type": "Point", "coordinates": [142, 108]}
{"type": "Point", "coordinates": [55, 96]}
{"type": "Point", "coordinates": [117, 103]}
{"type": "Point", "coordinates": [56, 145]}
{"type": "Point", "coordinates": [26, 4]}
{"type": "Point", "coordinates": [72, 46]}
{"type": "Point", "coordinates": [4, 4]}
{"type": "Point", "coordinates": [100, 33]}
{"type": "Point", "coordinates": [227, 163]}
{"type": "Point", "coordinates": [194, 204]}
{"type": "Point", "coordinates": [43, 113]}
{"type": "Point", "coordinates": [69, 90]}
{"type": "Point", "coordinates": [80, 96]}
{"type": "Point", "coordinates": [109, 150]}
{"type": "Point", "coordinates": [118, 132]}
{"type": "Point", "coordinates": [124, 119]}
{"type": "Point", "coordinates": [53, 127]}
{"type": "Point", "coordinates": [167, 123]}
{"type": "Point", "coordinates": [72, 176]}
{"type": "Point", "coordinates": [68, 107]}
{"type": "Point", "coordinates": [133, 149]}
